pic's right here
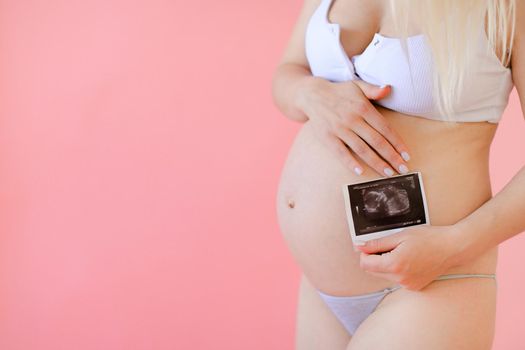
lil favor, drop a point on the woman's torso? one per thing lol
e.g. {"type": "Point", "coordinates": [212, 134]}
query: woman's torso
{"type": "Point", "coordinates": [452, 160]}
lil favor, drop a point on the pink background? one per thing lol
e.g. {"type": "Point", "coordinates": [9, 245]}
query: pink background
{"type": "Point", "coordinates": [139, 158]}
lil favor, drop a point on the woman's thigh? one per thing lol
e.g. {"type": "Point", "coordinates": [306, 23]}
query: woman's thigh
{"type": "Point", "coordinates": [317, 327]}
{"type": "Point", "coordinates": [448, 314]}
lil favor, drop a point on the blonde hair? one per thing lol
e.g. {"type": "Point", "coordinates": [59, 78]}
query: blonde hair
{"type": "Point", "coordinates": [452, 28]}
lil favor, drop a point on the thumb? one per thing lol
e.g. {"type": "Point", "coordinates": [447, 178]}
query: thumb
{"type": "Point", "coordinates": [383, 244]}
{"type": "Point", "coordinates": [373, 92]}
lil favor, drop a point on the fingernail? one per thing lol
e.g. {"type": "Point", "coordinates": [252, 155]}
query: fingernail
{"type": "Point", "coordinates": [405, 156]}
{"type": "Point", "coordinates": [389, 172]}
{"type": "Point", "coordinates": [383, 86]}
{"type": "Point", "coordinates": [360, 243]}
{"type": "Point", "coordinates": [358, 170]}
{"type": "Point", "coordinates": [403, 169]}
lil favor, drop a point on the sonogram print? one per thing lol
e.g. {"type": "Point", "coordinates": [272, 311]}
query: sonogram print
{"type": "Point", "coordinates": [385, 202]}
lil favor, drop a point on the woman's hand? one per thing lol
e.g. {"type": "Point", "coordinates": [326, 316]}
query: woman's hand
{"type": "Point", "coordinates": [415, 256]}
{"type": "Point", "coordinates": [344, 116]}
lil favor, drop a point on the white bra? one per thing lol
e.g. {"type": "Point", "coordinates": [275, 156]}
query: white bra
{"type": "Point", "coordinates": [484, 97]}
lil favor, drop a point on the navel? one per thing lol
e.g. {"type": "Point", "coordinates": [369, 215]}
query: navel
{"type": "Point", "coordinates": [291, 203]}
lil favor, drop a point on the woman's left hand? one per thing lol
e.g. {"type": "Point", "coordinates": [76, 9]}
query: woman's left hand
{"type": "Point", "coordinates": [414, 257]}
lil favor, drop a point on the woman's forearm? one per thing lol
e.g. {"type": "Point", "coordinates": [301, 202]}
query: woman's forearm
{"type": "Point", "coordinates": [289, 88]}
{"type": "Point", "coordinates": [497, 220]}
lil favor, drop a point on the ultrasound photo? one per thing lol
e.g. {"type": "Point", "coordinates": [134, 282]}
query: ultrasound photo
{"type": "Point", "coordinates": [385, 201]}
{"type": "Point", "coordinates": [385, 204]}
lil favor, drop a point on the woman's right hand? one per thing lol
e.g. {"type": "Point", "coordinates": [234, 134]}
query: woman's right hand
{"type": "Point", "coordinates": [344, 116]}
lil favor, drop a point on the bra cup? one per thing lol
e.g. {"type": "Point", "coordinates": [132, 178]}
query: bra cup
{"type": "Point", "coordinates": [321, 47]}
{"type": "Point", "coordinates": [412, 95]}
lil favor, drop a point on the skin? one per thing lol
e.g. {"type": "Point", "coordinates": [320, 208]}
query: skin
{"type": "Point", "coordinates": [465, 232]}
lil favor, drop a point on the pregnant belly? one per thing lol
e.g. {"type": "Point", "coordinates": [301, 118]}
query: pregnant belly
{"type": "Point", "coordinates": [310, 205]}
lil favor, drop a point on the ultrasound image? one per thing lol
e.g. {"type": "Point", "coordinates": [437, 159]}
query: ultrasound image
{"type": "Point", "coordinates": [385, 204]}
{"type": "Point", "coordinates": [385, 201]}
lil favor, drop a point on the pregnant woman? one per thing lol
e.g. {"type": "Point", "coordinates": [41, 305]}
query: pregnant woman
{"type": "Point", "coordinates": [375, 105]}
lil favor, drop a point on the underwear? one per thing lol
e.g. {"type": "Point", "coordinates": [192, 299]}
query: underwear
{"type": "Point", "coordinates": [488, 83]}
{"type": "Point", "coordinates": [351, 311]}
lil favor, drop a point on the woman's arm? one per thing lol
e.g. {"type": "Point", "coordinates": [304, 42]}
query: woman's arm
{"type": "Point", "coordinates": [292, 74]}
{"type": "Point", "coordinates": [499, 219]}
{"type": "Point", "coordinates": [503, 216]}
